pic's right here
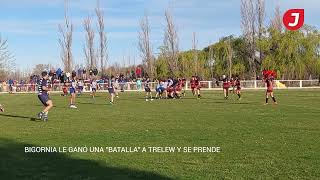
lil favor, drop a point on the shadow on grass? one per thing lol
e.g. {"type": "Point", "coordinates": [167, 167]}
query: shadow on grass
{"type": "Point", "coordinates": [94, 103]}
{"type": "Point", "coordinates": [16, 164]}
{"type": "Point", "coordinates": [20, 117]}
{"type": "Point", "coordinates": [55, 107]}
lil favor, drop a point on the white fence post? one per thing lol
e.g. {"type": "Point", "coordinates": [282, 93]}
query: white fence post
{"type": "Point", "coordinates": [300, 83]}
{"type": "Point", "coordinates": [255, 84]}
{"type": "Point", "coordinates": [209, 84]}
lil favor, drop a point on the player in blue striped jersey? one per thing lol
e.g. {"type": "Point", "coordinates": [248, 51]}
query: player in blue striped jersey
{"type": "Point", "coordinates": [111, 89]}
{"type": "Point", "coordinates": [94, 86]}
{"type": "Point", "coordinates": [43, 88]}
{"type": "Point", "coordinates": [148, 90]}
{"type": "Point", "coordinates": [72, 90]}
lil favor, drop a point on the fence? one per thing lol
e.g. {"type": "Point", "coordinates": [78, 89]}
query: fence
{"type": "Point", "coordinates": [206, 85]}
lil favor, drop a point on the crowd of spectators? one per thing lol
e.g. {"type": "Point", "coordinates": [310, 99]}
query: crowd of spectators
{"type": "Point", "coordinates": [59, 78]}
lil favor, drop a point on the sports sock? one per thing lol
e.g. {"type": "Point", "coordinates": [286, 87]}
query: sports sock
{"type": "Point", "coordinates": [274, 99]}
{"type": "Point", "coordinates": [267, 100]}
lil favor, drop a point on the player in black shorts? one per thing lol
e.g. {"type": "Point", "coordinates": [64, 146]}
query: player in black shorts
{"type": "Point", "coordinates": [111, 89]}
{"type": "Point", "coordinates": [43, 88]}
{"type": "Point", "coordinates": [238, 86]}
{"type": "Point", "coordinates": [148, 90]}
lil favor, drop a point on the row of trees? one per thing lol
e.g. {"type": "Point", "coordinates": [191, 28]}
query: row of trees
{"type": "Point", "coordinates": [7, 64]}
{"type": "Point", "coordinates": [293, 54]}
{"type": "Point", "coordinates": [95, 57]}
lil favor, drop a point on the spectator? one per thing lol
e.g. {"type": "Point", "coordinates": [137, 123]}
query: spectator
{"type": "Point", "coordinates": [139, 84]}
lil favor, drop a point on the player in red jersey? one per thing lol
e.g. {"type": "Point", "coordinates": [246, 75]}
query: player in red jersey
{"type": "Point", "coordinates": [193, 84]}
{"type": "Point", "coordinates": [233, 85]}
{"type": "Point", "coordinates": [226, 86]}
{"type": "Point", "coordinates": [197, 87]}
{"type": "Point", "coordinates": [170, 92]}
{"type": "Point", "coordinates": [183, 86]}
{"type": "Point", "coordinates": [269, 92]}
{"type": "Point", "coordinates": [238, 86]}
{"type": "Point", "coordinates": [178, 89]}
{"type": "Point", "coordinates": [268, 79]}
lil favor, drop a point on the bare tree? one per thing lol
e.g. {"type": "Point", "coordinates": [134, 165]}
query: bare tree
{"type": "Point", "coordinates": [65, 41]}
{"type": "Point", "coordinates": [6, 59]}
{"type": "Point", "coordinates": [276, 22]}
{"type": "Point", "coordinates": [171, 43]}
{"type": "Point", "coordinates": [211, 59]}
{"type": "Point", "coordinates": [40, 68]}
{"type": "Point", "coordinates": [103, 41]}
{"type": "Point", "coordinates": [248, 25]}
{"type": "Point", "coordinates": [260, 13]}
{"type": "Point", "coordinates": [195, 54]}
{"type": "Point", "coordinates": [89, 46]}
{"type": "Point", "coordinates": [145, 46]}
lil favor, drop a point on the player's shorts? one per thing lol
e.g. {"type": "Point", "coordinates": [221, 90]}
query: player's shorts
{"type": "Point", "coordinates": [170, 89]}
{"type": "Point", "coordinates": [178, 89]}
{"type": "Point", "coordinates": [269, 90]}
{"type": "Point", "coordinates": [72, 91]}
{"type": "Point", "coordinates": [226, 87]}
{"type": "Point", "coordinates": [65, 90]}
{"type": "Point", "coordinates": [44, 98]}
{"type": "Point", "coordinates": [80, 88]}
{"type": "Point", "coordinates": [160, 89]}
{"type": "Point", "coordinates": [111, 90]}
{"type": "Point", "coordinates": [147, 89]}
{"type": "Point", "coordinates": [94, 89]}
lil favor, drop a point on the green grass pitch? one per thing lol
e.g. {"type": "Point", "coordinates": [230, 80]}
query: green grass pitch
{"type": "Point", "coordinates": [257, 142]}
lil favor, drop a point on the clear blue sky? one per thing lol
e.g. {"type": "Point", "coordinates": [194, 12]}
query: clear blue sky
{"type": "Point", "coordinates": [31, 26]}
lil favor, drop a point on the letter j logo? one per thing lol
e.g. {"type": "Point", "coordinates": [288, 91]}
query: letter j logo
{"type": "Point", "coordinates": [293, 19]}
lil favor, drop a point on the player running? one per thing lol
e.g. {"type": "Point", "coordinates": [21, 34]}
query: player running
{"type": "Point", "coordinates": [72, 90]}
{"type": "Point", "coordinates": [80, 86]}
{"type": "Point", "coordinates": [111, 89]}
{"type": "Point", "coordinates": [183, 86]}
{"type": "Point", "coordinates": [226, 86]}
{"type": "Point", "coordinates": [269, 84]}
{"type": "Point", "coordinates": [238, 86]}
{"type": "Point", "coordinates": [193, 85]}
{"type": "Point", "coordinates": [94, 86]}
{"type": "Point", "coordinates": [148, 90]}
{"type": "Point", "coordinates": [233, 85]}
{"type": "Point", "coordinates": [43, 88]}
{"type": "Point", "coordinates": [197, 87]}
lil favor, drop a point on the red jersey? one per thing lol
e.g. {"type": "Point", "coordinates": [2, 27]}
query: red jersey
{"type": "Point", "coordinates": [179, 86]}
{"type": "Point", "coordinates": [193, 84]}
{"type": "Point", "coordinates": [237, 84]}
{"type": "Point", "coordinates": [183, 83]}
{"type": "Point", "coordinates": [269, 85]}
{"type": "Point", "coordinates": [226, 84]}
{"type": "Point", "coordinates": [232, 83]}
